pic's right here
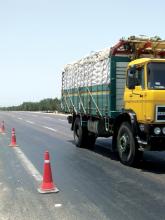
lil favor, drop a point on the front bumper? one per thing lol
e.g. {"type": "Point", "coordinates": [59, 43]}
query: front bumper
{"type": "Point", "coordinates": [157, 143]}
{"type": "Point", "coordinates": [148, 140]}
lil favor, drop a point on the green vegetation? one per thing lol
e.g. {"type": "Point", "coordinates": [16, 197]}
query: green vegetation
{"type": "Point", "coordinates": [48, 105]}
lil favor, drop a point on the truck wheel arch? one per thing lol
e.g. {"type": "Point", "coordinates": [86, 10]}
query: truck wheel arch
{"type": "Point", "coordinates": [126, 116]}
{"type": "Point", "coordinates": [127, 145]}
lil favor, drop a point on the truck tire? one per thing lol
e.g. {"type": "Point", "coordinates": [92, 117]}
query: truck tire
{"type": "Point", "coordinates": [90, 141]}
{"type": "Point", "coordinates": [81, 136]}
{"type": "Point", "coordinates": [127, 146]}
{"type": "Point", "coordinates": [79, 133]}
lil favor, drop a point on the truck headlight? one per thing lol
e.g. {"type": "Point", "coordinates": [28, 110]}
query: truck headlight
{"type": "Point", "coordinates": [157, 130]}
{"type": "Point", "coordinates": [163, 130]}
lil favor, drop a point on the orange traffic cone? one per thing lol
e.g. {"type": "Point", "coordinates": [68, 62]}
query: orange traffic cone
{"type": "Point", "coordinates": [2, 129]}
{"type": "Point", "coordinates": [47, 185]}
{"type": "Point", "coordinates": [13, 139]}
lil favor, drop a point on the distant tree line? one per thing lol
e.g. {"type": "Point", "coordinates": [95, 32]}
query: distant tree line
{"type": "Point", "coordinates": [48, 105]}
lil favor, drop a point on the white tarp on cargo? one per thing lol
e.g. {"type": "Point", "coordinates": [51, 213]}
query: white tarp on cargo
{"type": "Point", "coordinates": [89, 71]}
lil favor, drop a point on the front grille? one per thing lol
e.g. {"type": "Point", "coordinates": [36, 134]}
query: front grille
{"type": "Point", "coordinates": [160, 113]}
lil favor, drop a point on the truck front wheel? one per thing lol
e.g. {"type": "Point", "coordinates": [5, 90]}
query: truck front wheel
{"type": "Point", "coordinates": [127, 146]}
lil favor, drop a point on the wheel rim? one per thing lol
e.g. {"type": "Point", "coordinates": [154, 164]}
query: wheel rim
{"type": "Point", "coordinates": [124, 146]}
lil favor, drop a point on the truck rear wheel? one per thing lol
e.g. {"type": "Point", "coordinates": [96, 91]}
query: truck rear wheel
{"type": "Point", "coordinates": [78, 133]}
{"type": "Point", "coordinates": [81, 136]}
{"type": "Point", "coordinates": [127, 146]}
{"type": "Point", "coordinates": [90, 141]}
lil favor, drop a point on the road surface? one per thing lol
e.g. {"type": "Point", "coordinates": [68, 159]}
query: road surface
{"type": "Point", "coordinates": [93, 184]}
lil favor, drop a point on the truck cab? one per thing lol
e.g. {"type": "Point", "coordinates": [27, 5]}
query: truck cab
{"type": "Point", "coordinates": [145, 96]}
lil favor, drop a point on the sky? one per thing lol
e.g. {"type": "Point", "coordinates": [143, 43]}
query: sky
{"type": "Point", "coordinates": [39, 37]}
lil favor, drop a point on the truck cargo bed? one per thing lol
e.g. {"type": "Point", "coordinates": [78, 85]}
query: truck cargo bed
{"type": "Point", "coordinates": [94, 85]}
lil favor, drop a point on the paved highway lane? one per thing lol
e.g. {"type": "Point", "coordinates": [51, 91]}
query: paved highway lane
{"type": "Point", "coordinates": [93, 184]}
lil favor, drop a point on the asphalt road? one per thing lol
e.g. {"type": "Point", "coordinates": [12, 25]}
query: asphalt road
{"type": "Point", "coordinates": [93, 184]}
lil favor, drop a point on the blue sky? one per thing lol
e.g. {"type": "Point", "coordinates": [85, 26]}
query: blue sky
{"type": "Point", "coordinates": [38, 37]}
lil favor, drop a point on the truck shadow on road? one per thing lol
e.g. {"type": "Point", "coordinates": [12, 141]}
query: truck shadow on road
{"type": "Point", "coordinates": [106, 152]}
{"type": "Point", "coordinates": [153, 162]}
{"type": "Point", "coordinates": [103, 148]}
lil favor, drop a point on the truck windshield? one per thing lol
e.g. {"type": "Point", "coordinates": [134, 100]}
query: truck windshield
{"type": "Point", "coordinates": [156, 75]}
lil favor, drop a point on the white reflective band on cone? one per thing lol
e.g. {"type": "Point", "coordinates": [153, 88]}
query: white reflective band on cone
{"type": "Point", "coordinates": [47, 161]}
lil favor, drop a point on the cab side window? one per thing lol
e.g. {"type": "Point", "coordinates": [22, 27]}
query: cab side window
{"type": "Point", "coordinates": [139, 77]}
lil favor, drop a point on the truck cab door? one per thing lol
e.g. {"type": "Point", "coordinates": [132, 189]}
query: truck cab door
{"type": "Point", "coordinates": [135, 92]}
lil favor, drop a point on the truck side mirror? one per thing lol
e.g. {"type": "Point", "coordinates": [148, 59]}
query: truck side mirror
{"type": "Point", "coordinates": [131, 83]}
{"type": "Point", "coordinates": [132, 70]}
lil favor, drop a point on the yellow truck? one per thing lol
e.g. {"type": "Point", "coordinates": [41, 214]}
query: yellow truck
{"type": "Point", "coordinates": [119, 93]}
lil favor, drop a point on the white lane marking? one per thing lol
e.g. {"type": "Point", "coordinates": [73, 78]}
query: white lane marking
{"type": "Point", "coordinates": [47, 117]}
{"type": "Point", "coordinates": [51, 129]}
{"type": "Point", "coordinates": [28, 165]}
{"type": "Point", "coordinates": [20, 189]}
{"type": "Point", "coordinates": [57, 205]}
{"type": "Point", "coordinates": [30, 122]}
{"type": "Point", "coordinates": [62, 120]}
{"type": "Point", "coordinates": [20, 118]}
{"type": "Point", "coordinates": [5, 189]}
